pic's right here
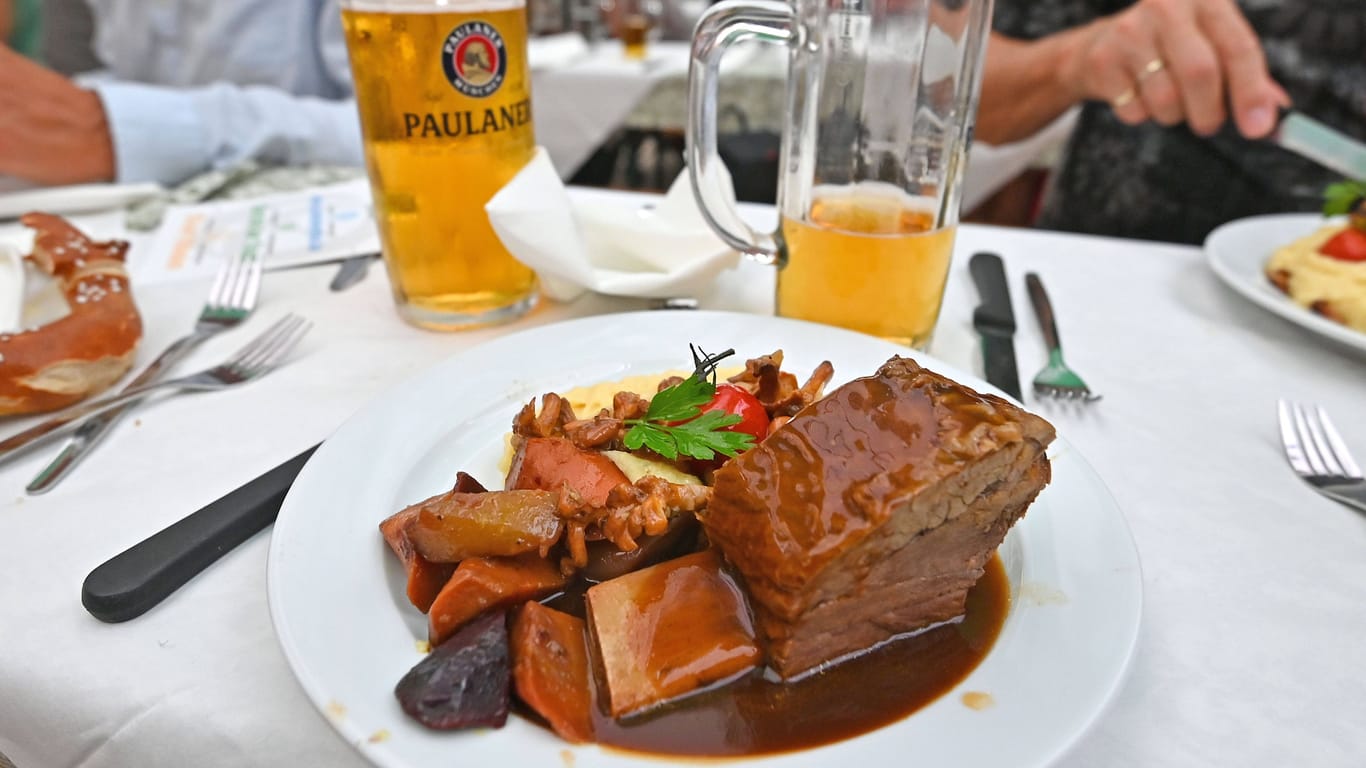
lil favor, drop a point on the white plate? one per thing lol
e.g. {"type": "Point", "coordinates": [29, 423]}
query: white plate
{"type": "Point", "coordinates": [336, 594]}
{"type": "Point", "coordinates": [81, 198]}
{"type": "Point", "coordinates": [1238, 250]}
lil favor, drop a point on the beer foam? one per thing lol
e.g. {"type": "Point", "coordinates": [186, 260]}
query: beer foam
{"type": "Point", "coordinates": [430, 6]}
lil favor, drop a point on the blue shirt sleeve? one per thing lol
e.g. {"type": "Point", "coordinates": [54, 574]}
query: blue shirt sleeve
{"type": "Point", "coordinates": [167, 135]}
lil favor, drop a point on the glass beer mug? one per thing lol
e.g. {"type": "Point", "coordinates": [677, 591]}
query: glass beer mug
{"type": "Point", "coordinates": [881, 100]}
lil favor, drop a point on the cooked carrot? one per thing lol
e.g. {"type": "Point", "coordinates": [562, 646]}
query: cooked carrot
{"type": "Point", "coordinates": [550, 669]}
{"type": "Point", "coordinates": [425, 578]}
{"type": "Point", "coordinates": [481, 583]}
{"type": "Point", "coordinates": [546, 463]}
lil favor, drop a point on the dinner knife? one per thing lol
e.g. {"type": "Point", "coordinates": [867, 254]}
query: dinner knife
{"type": "Point", "coordinates": [994, 319]}
{"type": "Point", "coordinates": [129, 583]}
{"type": "Point", "coordinates": [1326, 146]}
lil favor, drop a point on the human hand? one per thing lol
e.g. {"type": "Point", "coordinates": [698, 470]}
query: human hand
{"type": "Point", "coordinates": [1177, 61]}
{"type": "Point", "coordinates": [52, 131]}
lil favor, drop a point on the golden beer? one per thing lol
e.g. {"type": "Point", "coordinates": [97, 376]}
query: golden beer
{"type": "Point", "coordinates": [445, 111]}
{"type": "Point", "coordinates": [866, 262]}
{"type": "Point", "coordinates": [635, 31]}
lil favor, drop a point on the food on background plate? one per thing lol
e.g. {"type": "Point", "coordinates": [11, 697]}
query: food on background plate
{"type": "Point", "coordinates": [812, 567]}
{"type": "Point", "coordinates": [93, 345]}
{"type": "Point", "coordinates": [1325, 271]}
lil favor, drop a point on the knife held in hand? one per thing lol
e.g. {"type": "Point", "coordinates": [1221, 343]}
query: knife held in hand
{"type": "Point", "coordinates": [130, 583]}
{"type": "Point", "coordinates": [1324, 145]}
{"type": "Point", "coordinates": [994, 319]}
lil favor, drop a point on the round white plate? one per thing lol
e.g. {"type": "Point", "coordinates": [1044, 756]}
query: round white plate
{"type": "Point", "coordinates": [1238, 250]}
{"type": "Point", "coordinates": [336, 593]}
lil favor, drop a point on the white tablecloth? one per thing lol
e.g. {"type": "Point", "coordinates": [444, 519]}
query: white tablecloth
{"type": "Point", "coordinates": [1252, 642]}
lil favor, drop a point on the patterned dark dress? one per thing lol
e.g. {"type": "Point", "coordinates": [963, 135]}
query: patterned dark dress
{"type": "Point", "coordinates": [1160, 183]}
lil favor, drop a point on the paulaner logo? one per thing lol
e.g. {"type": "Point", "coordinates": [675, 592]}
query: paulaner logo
{"type": "Point", "coordinates": [474, 58]}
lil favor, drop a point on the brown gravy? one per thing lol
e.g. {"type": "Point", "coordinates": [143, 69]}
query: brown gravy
{"type": "Point", "coordinates": [752, 715]}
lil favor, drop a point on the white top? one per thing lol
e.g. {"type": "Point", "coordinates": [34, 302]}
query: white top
{"type": "Point", "coordinates": [1252, 639]}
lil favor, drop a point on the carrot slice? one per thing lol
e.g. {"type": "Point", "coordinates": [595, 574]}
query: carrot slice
{"type": "Point", "coordinates": [550, 669]}
{"type": "Point", "coordinates": [425, 578]}
{"type": "Point", "coordinates": [481, 583]}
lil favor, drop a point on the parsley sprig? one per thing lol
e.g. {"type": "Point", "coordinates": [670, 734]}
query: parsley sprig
{"type": "Point", "coordinates": [699, 435]}
{"type": "Point", "coordinates": [1343, 197]}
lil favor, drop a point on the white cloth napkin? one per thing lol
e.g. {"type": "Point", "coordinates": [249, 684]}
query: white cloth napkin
{"type": "Point", "coordinates": [614, 248]}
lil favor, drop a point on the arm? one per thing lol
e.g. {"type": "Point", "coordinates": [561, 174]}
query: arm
{"type": "Point", "coordinates": [1022, 86]}
{"type": "Point", "coordinates": [167, 135]}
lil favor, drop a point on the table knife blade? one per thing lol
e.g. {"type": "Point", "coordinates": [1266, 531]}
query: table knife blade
{"type": "Point", "coordinates": [133, 581]}
{"type": "Point", "coordinates": [1324, 145]}
{"type": "Point", "coordinates": [994, 319]}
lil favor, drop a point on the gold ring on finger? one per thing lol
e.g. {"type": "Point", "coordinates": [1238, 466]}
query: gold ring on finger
{"type": "Point", "coordinates": [1150, 69]}
{"type": "Point", "coordinates": [1124, 98]}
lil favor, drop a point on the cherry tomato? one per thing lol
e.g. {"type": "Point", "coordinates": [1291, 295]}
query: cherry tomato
{"type": "Point", "coordinates": [1347, 245]}
{"type": "Point", "coordinates": [731, 399]}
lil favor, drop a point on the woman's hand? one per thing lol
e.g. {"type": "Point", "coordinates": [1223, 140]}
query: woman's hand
{"type": "Point", "coordinates": [52, 131]}
{"type": "Point", "coordinates": [1177, 61]}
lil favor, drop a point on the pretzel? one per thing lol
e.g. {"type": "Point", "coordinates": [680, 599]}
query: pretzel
{"type": "Point", "coordinates": [76, 356]}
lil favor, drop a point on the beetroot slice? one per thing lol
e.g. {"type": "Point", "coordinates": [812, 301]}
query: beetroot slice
{"type": "Point", "coordinates": [464, 682]}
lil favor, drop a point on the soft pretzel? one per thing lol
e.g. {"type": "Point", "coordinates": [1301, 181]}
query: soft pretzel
{"type": "Point", "coordinates": [69, 359]}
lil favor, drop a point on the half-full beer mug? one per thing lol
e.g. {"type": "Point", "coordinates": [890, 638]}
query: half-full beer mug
{"type": "Point", "coordinates": [881, 100]}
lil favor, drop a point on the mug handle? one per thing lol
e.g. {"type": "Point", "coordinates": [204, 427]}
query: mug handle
{"type": "Point", "coordinates": [723, 24]}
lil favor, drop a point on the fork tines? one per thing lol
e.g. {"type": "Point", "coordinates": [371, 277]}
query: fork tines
{"type": "Point", "coordinates": [1312, 444]}
{"type": "Point", "coordinates": [274, 343]}
{"type": "Point", "coordinates": [235, 286]}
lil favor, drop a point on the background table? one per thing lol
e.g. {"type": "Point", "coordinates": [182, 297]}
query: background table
{"type": "Point", "coordinates": [1252, 639]}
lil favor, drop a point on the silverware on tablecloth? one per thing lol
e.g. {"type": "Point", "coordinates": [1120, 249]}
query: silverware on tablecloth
{"type": "Point", "coordinates": [1056, 380]}
{"type": "Point", "coordinates": [352, 271]}
{"type": "Point", "coordinates": [131, 582]}
{"type": "Point", "coordinates": [231, 299]}
{"type": "Point", "coordinates": [994, 319]}
{"type": "Point", "coordinates": [1326, 146]}
{"type": "Point", "coordinates": [1319, 455]}
{"type": "Point", "coordinates": [260, 356]}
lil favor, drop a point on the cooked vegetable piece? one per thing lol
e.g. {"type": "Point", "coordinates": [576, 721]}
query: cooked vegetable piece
{"type": "Point", "coordinates": [464, 682]}
{"type": "Point", "coordinates": [550, 669]}
{"type": "Point", "coordinates": [636, 467]}
{"type": "Point", "coordinates": [425, 578]}
{"type": "Point", "coordinates": [670, 629]}
{"type": "Point", "coordinates": [453, 526]}
{"type": "Point", "coordinates": [479, 584]}
{"type": "Point", "coordinates": [546, 463]}
{"type": "Point", "coordinates": [465, 483]}
{"type": "Point", "coordinates": [607, 561]}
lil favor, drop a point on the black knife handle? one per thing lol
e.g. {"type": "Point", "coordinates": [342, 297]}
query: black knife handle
{"type": "Point", "coordinates": [989, 273]}
{"type": "Point", "coordinates": [129, 583]}
{"type": "Point", "coordinates": [1043, 309]}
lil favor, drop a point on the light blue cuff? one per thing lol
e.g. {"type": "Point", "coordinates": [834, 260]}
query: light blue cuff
{"type": "Point", "coordinates": [157, 133]}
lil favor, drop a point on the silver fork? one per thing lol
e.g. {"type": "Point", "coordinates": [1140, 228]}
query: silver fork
{"type": "Point", "coordinates": [1056, 380]}
{"type": "Point", "coordinates": [1318, 454]}
{"type": "Point", "coordinates": [231, 299]}
{"type": "Point", "coordinates": [257, 358]}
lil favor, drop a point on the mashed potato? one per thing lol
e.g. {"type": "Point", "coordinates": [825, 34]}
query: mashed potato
{"type": "Point", "coordinates": [1332, 287]}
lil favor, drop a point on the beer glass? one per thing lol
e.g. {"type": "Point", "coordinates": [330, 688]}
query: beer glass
{"type": "Point", "coordinates": [881, 99]}
{"type": "Point", "coordinates": [444, 95]}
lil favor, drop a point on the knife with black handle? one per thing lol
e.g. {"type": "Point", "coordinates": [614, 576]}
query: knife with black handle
{"type": "Point", "coordinates": [131, 582]}
{"type": "Point", "coordinates": [994, 319]}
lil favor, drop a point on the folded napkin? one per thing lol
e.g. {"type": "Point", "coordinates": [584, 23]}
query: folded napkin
{"type": "Point", "coordinates": [605, 245]}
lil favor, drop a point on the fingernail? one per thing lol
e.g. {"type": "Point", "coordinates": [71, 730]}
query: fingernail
{"type": "Point", "coordinates": [1258, 121]}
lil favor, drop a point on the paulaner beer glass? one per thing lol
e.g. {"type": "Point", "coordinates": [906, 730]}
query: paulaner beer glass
{"type": "Point", "coordinates": [444, 95]}
{"type": "Point", "coordinates": [881, 99]}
